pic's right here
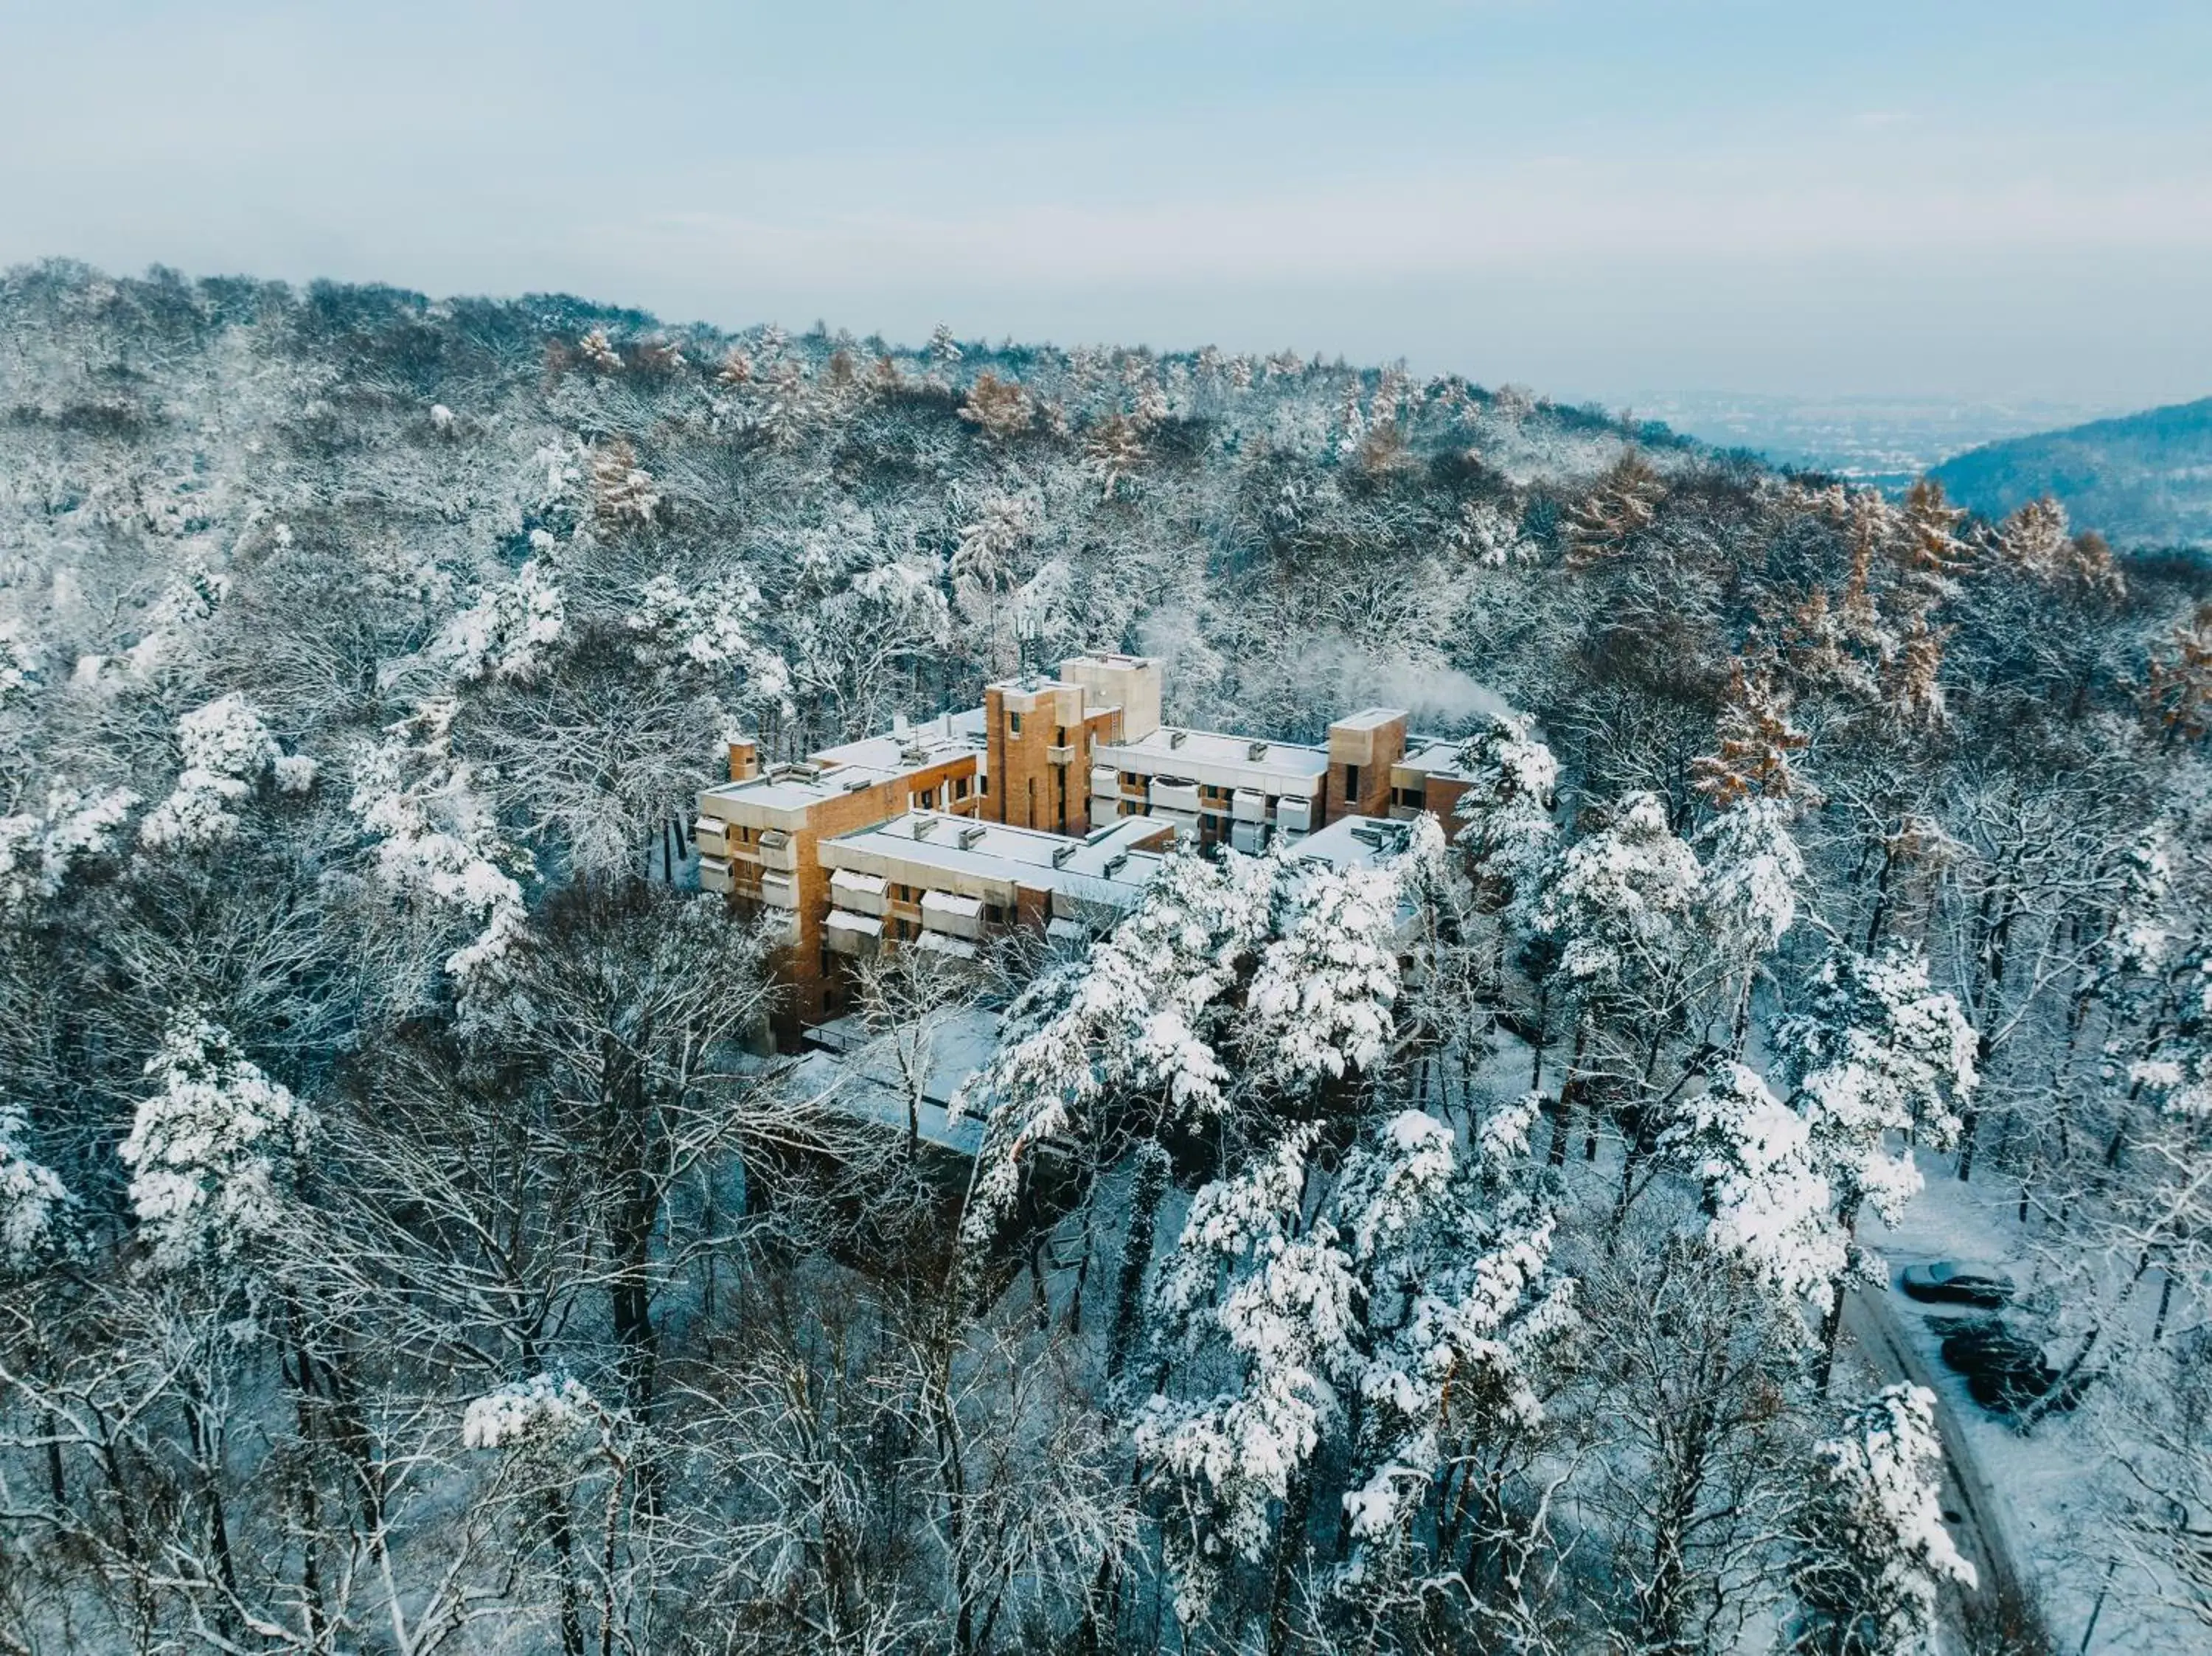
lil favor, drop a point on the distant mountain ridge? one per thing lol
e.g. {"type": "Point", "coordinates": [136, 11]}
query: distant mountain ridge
{"type": "Point", "coordinates": [2140, 480]}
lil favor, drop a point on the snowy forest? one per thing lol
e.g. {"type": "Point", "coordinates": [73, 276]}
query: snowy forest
{"type": "Point", "coordinates": [409, 1244]}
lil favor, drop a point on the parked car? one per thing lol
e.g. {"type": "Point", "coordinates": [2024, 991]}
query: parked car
{"type": "Point", "coordinates": [1945, 1282]}
{"type": "Point", "coordinates": [2005, 1370]}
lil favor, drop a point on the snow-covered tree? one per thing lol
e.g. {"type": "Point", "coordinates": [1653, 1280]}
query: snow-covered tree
{"type": "Point", "coordinates": [1875, 1062]}
{"type": "Point", "coordinates": [508, 630]}
{"type": "Point", "coordinates": [39, 849]}
{"type": "Point", "coordinates": [226, 752]}
{"type": "Point", "coordinates": [213, 1149]}
{"type": "Point", "coordinates": [1756, 741]}
{"type": "Point", "coordinates": [435, 836]}
{"type": "Point", "coordinates": [1253, 1291]}
{"type": "Point", "coordinates": [1753, 873]}
{"type": "Point", "coordinates": [1872, 1553]}
{"type": "Point", "coordinates": [1768, 1202]}
{"type": "Point", "coordinates": [1458, 1306]}
{"type": "Point", "coordinates": [38, 1216]}
{"type": "Point", "coordinates": [548, 1414]}
{"type": "Point", "coordinates": [1505, 814]}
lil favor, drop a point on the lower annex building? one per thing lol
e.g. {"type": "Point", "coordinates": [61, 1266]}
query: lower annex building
{"type": "Point", "coordinates": [1049, 807]}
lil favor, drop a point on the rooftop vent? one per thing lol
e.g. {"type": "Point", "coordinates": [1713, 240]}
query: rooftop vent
{"type": "Point", "coordinates": [1061, 853]}
{"type": "Point", "coordinates": [1257, 751]}
{"type": "Point", "coordinates": [1117, 863]}
{"type": "Point", "coordinates": [1176, 738]}
{"type": "Point", "coordinates": [924, 826]}
{"type": "Point", "coordinates": [853, 785]}
{"type": "Point", "coordinates": [913, 754]}
{"type": "Point", "coordinates": [970, 834]}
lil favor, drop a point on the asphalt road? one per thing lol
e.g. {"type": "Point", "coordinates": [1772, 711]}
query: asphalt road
{"type": "Point", "coordinates": [1870, 1319]}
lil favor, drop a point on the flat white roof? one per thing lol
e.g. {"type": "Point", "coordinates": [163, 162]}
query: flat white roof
{"type": "Point", "coordinates": [947, 737]}
{"type": "Point", "coordinates": [855, 765]}
{"type": "Point", "coordinates": [1016, 855]}
{"type": "Point", "coordinates": [1433, 755]}
{"type": "Point", "coordinates": [1354, 842]}
{"type": "Point", "coordinates": [1220, 760]}
{"type": "Point", "coordinates": [1367, 719]}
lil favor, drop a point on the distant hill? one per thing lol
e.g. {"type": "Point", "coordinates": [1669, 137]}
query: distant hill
{"type": "Point", "coordinates": [2141, 479]}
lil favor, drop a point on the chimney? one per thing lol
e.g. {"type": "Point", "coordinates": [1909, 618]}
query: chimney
{"type": "Point", "coordinates": [745, 761]}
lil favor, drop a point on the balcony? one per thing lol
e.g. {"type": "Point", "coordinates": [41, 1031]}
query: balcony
{"type": "Point", "coordinates": [1249, 805]}
{"type": "Point", "coordinates": [1173, 793]}
{"type": "Point", "coordinates": [1297, 815]}
{"type": "Point", "coordinates": [711, 834]}
{"type": "Point", "coordinates": [848, 933]}
{"type": "Point", "coordinates": [862, 894]}
{"type": "Point", "coordinates": [713, 871]}
{"type": "Point", "coordinates": [959, 917]}
{"type": "Point", "coordinates": [1250, 838]}
{"type": "Point", "coordinates": [1066, 755]}
{"type": "Point", "coordinates": [779, 891]}
{"type": "Point", "coordinates": [777, 851]}
{"type": "Point", "coordinates": [779, 926]}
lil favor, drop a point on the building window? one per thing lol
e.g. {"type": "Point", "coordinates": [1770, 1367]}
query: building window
{"type": "Point", "coordinates": [959, 787]}
{"type": "Point", "coordinates": [928, 799]}
{"type": "Point", "coordinates": [1013, 724]}
{"type": "Point", "coordinates": [1352, 784]}
{"type": "Point", "coordinates": [1059, 736]}
{"type": "Point", "coordinates": [984, 785]}
{"type": "Point", "coordinates": [1411, 797]}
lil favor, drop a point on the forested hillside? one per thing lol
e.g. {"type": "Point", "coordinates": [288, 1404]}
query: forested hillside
{"type": "Point", "coordinates": [406, 1245]}
{"type": "Point", "coordinates": [2143, 480]}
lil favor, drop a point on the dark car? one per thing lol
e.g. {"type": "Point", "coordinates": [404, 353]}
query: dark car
{"type": "Point", "coordinates": [1945, 1282]}
{"type": "Point", "coordinates": [2005, 1370]}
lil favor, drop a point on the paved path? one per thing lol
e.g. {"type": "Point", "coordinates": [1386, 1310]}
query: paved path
{"type": "Point", "coordinates": [1871, 1320]}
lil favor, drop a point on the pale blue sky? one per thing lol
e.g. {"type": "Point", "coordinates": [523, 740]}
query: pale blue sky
{"type": "Point", "coordinates": [1944, 198]}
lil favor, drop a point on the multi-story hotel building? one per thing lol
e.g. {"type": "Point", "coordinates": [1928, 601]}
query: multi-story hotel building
{"type": "Point", "coordinates": [1049, 807]}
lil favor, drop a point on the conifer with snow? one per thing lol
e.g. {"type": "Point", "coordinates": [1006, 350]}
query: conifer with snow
{"type": "Point", "coordinates": [213, 1148]}
{"type": "Point", "coordinates": [1872, 1553]}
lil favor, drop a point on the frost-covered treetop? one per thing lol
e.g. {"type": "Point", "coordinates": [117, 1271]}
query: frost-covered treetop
{"type": "Point", "coordinates": [1154, 1011]}
{"type": "Point", "coordinates": [1624, 895]}
{"type": "Point", "coordinates": [38, 849]}
{"type": "Point", "coordinates": [1877, 1052]}
{"type": "Point", "coordinates": [1880, 1513]}
{"type": "Point", "coordinates": [508, 632]}
{"type": "Point", "coordinates": [1770, 1204]}
{"type": "Point", "coordinates": [211, 1148]}
{"type": "Point", "coordinates": [37, 1212]}
{"type": "Point", "coordinates": [226, 750]}
{"type": "Point", "coordinates": [1752, 873]}
{"type": "Point", "coordinates": [547, 1414]}
{"type": "Point", "coordinates": [437, 838]}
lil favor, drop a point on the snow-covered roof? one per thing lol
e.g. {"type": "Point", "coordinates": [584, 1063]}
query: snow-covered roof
{"type": "Point", "coordinates": [1355, 842]}
{"type": "Point", "coordinates": [1220, 760]}
{"type": "Point", "coordinates": [1102, 868]}
{"type": "Point", "coordinates": [1432, 756]}
{"type": "Point", "coordinates": [948, 739]}
{"type": "Point", "coordinates": [935, 741]}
